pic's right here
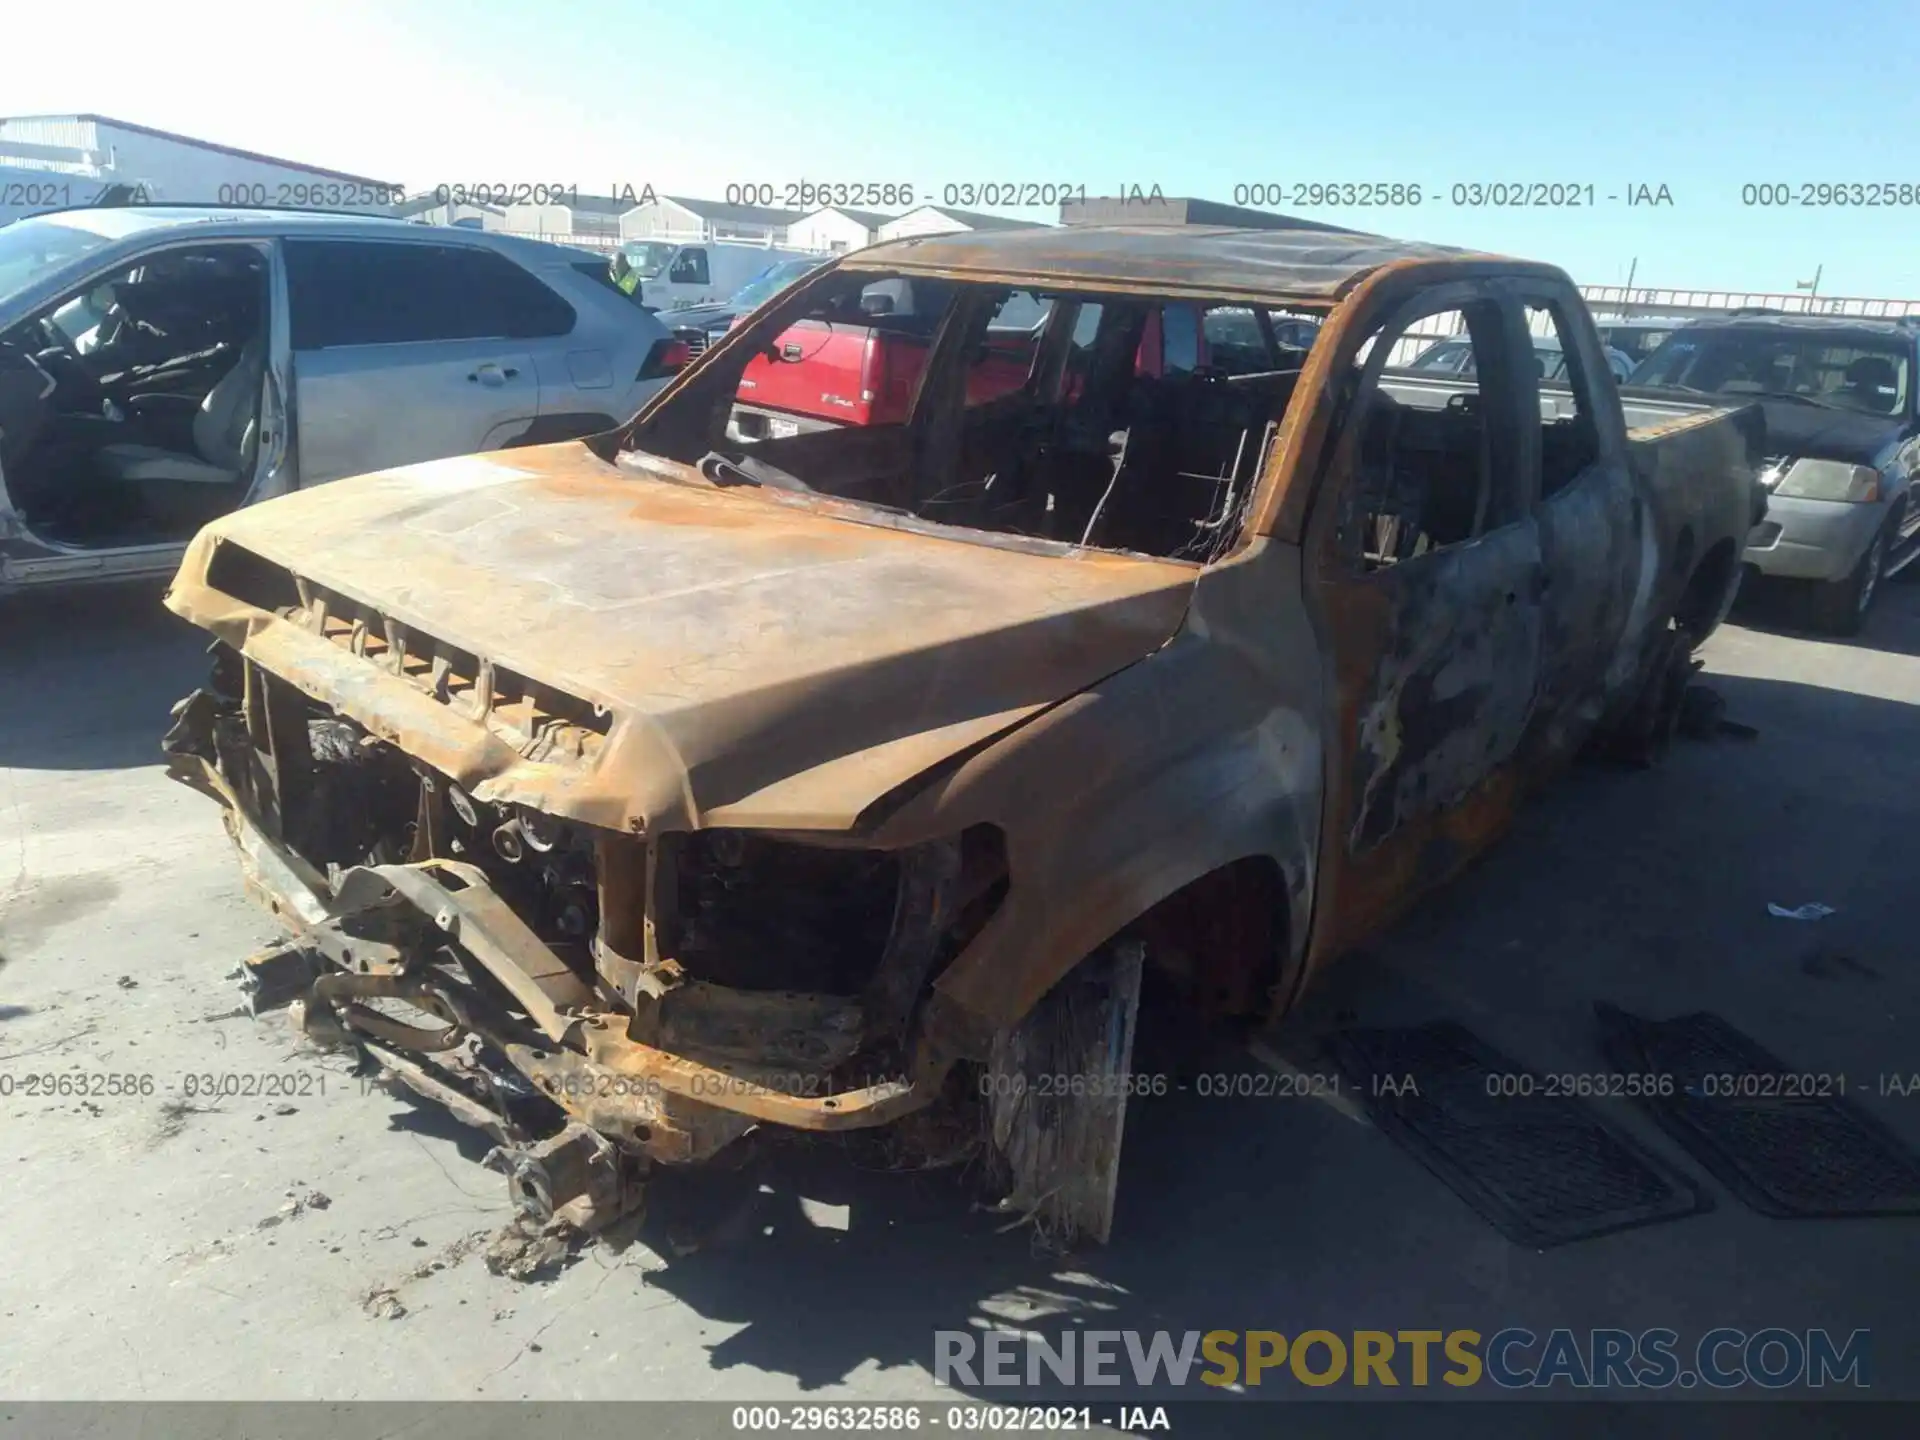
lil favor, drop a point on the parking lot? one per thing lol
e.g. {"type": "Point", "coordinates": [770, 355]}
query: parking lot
{"type": "Point", "coordinates": [330, 1243]}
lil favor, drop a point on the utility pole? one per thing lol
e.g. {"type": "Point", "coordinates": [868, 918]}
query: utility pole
{"type": "Point", "coordinates": [1626, 293]}
{"type": "Point", "coordinates": [1812, 287]}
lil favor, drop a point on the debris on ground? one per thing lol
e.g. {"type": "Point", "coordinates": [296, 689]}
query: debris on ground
{"type": "Point", "coordinates": [296, 1205]}
{"type": "Point", "coordinates": [939, 1137]}
{"type": "Point", "coordinates": [382, 1302]}
{"type": "Point", "coordinates": [127, 982]}
{"type": "Point", "coordinates": [1703, 716]}
{"type": "Point", "coordinates": [1812, 910]}
{"type": "Point", "coordinates": [528, 1250]}
{"type": "Point", "coordinates": [448, 1255]}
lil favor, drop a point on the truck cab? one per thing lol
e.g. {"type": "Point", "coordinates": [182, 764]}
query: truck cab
{"type": "Point", "coordinates": [670, 275]}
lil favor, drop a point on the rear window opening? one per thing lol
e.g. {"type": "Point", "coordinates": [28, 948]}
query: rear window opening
{"type": "Point", "coordinates": [1117, 422]}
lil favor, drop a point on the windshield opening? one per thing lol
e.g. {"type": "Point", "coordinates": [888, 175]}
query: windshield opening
{"type": "Point", "coordinates": [1850, 371]}
{"type": "Point", "coordinates": [1126, 423]}
{"type": "Point", "coordinates": [30, 249]}
{"type": "Point", "coordinates": [648, 258]}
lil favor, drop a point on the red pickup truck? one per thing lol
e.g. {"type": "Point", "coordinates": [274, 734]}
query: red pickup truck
{"type": "Point", "coordinates": [861, 367]}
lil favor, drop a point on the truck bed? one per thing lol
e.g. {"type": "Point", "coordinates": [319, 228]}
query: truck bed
{"type": "Point", "coordinates": [1699, 463]}
{"type": "Point", "coordinates": [1644, 407]}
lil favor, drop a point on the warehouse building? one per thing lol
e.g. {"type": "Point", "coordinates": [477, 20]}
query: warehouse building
{"type": "Point", "coordinates": [1180, 210]}
{"type": "Point", "coordinates": [836, 230]}
{"type": "Point", "coordinates": [943, 220]}
{"type": "Point", "coordinates": [96, 150]}
{"type": "Point", "coordinates": [686, 219]}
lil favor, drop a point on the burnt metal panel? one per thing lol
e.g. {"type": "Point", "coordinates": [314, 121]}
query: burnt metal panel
{"type": "Point", "coordinates": [1209, 259]}
{"type": "Point", "coordinates": [1448, 694]}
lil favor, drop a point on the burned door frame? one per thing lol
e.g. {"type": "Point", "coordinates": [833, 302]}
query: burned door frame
{"type": "Point", "coordinates": [1597, 539]}
{"type": "Point", "coordinates": [1422, 733]}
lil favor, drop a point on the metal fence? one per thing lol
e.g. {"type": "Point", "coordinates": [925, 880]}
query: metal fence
{"type": "Point", "coordinates": [1619, 302]}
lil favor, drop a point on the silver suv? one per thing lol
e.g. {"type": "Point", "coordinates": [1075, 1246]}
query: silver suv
{"type": "Point", "coordinates": [161, 366]}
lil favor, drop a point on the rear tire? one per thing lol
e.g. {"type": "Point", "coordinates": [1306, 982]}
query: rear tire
{"type": "Point", "coordinates": [1840, 607]}
{"type": "Point", "coordinates": [1642, 735]}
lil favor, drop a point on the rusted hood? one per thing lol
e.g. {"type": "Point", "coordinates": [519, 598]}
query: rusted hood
{"type": "Point", "coordinates": [763, 663]}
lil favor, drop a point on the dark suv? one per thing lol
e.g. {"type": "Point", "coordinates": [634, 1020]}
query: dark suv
{"type": "Point", "coordinates": [1843, 443]}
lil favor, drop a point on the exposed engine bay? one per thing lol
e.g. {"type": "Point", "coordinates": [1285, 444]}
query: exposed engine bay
{"type": "Point", "coordinates": [594, 1000]}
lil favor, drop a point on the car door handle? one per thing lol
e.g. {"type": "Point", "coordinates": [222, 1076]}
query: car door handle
{"type": "Point", "coordinates": [493, 374]}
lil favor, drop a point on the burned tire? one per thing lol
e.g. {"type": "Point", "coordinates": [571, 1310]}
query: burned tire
{"type": "Point", "coordinates": [1057, 1089]}
{"type": "Point", "coordinates": [1840, 607]}
{"type": "Point", "coordinates": [1703, 713]}
{"type": "Point", "coordinates": [1643, 735]}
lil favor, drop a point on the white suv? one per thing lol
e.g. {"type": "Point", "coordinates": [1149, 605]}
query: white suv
{"type": "Point", "coordinates": [160, 366]}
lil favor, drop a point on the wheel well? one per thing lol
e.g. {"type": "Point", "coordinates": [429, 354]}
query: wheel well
{"type": "Point", "coordinates": [1699, 603]}
{"type": "Point", "coordinates": [1223, 939]}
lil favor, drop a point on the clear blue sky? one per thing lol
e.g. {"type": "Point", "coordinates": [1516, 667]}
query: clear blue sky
{"type": "Point", "coordinates": [1196, 98]}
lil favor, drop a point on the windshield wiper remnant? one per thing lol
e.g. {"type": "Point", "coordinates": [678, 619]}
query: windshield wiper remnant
{"type": "Point", "coordinates": [725, 471]}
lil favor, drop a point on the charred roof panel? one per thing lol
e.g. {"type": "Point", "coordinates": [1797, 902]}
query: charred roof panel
{"type": "Point", "coordinates": [1211, 260]}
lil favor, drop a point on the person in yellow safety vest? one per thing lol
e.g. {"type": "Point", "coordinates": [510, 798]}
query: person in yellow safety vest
{"type": "Point", "coordinates": [624, 275]}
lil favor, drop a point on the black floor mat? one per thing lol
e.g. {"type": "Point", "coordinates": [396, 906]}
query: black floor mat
{"type": "Point", "coordinates": [1541, 1168]}
{"type": "Point", "coordinates": [1772, 1135]}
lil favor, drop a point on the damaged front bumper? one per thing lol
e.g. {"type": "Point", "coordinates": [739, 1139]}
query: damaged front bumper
{"type": "Point", "coordinates": [583, 1074]}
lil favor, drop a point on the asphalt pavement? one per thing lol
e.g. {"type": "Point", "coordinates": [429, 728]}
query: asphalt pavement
{"type": "Point", "coordinates": [310, 1236]}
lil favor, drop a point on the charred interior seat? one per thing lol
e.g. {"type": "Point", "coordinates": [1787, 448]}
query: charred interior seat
{"type": "Point", "coordinates": [225, 434]}
{"type": "Point", "coordinates": [1193, 438]}
{"type": "Point", "coordinates": [1422, 474]}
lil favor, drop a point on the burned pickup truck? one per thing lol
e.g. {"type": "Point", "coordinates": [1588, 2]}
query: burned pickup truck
{"type": "Point", "coordinates": [631, 793]}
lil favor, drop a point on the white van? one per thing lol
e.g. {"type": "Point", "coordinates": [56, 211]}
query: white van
{"type": "Point", "coordinates": [672, 275]}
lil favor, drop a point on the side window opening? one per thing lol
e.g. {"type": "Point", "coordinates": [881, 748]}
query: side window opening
{"type": "Point", "coordinates": [1424, 476]}
{"type": "Point", "coordinates": [1180, 348]}
{"type": "Point", "coordinates": [1569, 432]}
{"type": "Point", "coordinates": [689, 267]}
{"type": "Point", "coordinates": [1234, 340]}
{"type": "Point", "coordinates": [1245, 340]}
